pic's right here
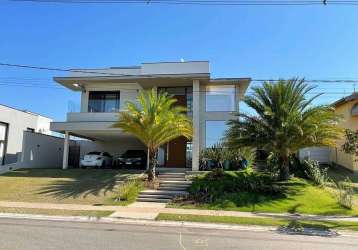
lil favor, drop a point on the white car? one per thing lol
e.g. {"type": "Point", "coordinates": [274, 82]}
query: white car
{"type": "Point", "coordinates": [96, 159]}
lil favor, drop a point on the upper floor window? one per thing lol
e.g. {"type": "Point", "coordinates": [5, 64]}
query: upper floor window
{"type": "Point", "coordinates": [220, 98]}
{"type": "Point", "coordinates": [184, 95]}
{"type": "Point", "coordinates": [104, 101]}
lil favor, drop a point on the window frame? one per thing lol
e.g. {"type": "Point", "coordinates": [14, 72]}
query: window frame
{"type": "Point", "coordinates": [102, 97]}
{"type": "Point", "coordinates": [218, 86]}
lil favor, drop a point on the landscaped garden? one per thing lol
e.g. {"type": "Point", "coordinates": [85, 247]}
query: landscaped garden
{"type": "Point", "coordinates": [285, 121]}
{"type": "Point", "coordinates": [251, 191]}
{"type": "Point", "coordinates": [73, 186]}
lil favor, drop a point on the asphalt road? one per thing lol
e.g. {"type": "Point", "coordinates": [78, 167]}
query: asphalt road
{"type": "Point", "coordinates": [29, 234]}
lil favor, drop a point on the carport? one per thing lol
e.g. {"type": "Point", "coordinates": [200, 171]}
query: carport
{"type": "Point", "coordinates": [96, 136]}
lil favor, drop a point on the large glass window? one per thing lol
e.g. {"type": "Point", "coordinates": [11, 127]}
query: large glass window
{"type": "Point", "coordinates": [104, 101]}
{"type": "Point", "coordinates": [220, 98]}
{"type": "Point", "coordinates": [214, 132]}
{"type": "Point", "coordinates": [182, 91]}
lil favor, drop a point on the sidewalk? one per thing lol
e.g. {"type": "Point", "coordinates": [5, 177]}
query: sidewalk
{"type": "Point", "coordinates": [149, 211]}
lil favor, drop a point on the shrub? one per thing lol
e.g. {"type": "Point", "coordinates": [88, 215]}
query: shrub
{"type": "Point", "coordinates": [315, 173]}
{"type": "Point", "coordinates": [345, 193]}
{"type": "Point", "coordinates": [273, 165]}
{"type": "Point", "coordinates": [128, 191]}
{"type": "Point", "coordinates": [210, 187]}
{"type": "Point", "coordinates": [219, 157]}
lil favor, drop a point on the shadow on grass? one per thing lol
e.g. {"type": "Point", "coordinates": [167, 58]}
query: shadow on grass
{"type": "Point", "coordinates": [75, 183]}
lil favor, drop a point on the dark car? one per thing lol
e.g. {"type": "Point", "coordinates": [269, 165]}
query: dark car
{"type": "Point", "coordinates": [133, 159]}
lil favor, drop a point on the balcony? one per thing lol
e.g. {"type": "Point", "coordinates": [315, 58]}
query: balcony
{"type": "Point", "coordinates": [91, 117]}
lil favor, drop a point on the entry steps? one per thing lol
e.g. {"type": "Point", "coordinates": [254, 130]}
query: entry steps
{"type": "Point", "coordinates": [171, 184]}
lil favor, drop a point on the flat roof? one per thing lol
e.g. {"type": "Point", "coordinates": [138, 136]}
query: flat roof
{"type": "Point", "coordinates": [25, 111]}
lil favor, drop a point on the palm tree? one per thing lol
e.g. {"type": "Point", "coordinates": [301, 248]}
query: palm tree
{"type": "Point", "coordinates": [285, 121]}
{"type": "Point", "coordinates": [155, 120]}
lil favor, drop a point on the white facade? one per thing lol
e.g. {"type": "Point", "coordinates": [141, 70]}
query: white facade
{"type": "Point", "coordinates": [209, 100]}
{"type": "Point", "coordinates": [320, 154]}
{"type": "Point", "coordinates": [13, 123]}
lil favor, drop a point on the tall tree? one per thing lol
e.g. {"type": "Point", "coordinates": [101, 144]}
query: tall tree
{"type": "Point", "coordinates": [285, 121]}
{"type": "Point", "coordinates": [155, 119]}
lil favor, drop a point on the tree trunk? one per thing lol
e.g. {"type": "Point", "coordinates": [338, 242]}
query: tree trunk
{"type": "Point", "coordinates": [152, 164]}
{"type": "Point", "coordinates": [284, 168]}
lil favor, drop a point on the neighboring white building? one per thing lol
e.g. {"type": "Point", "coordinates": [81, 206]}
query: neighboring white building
{"type": "Point", "coordinates": [13, 123]}
{"type": "Point", "coordinates": [210, 102]}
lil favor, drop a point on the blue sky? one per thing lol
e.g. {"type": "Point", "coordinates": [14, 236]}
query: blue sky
{"type": "Point", "coordinates": [254, 41]}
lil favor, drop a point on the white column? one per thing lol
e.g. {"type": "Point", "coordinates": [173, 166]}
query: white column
{"type": "Point", "coordinates": [237, 97]}
{"type": "Point", "coordinates": [196, 125]}
{"type": "Point", "coordinates": [65, 150]}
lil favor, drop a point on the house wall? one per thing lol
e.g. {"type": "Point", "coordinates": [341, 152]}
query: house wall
{"type": "Point", "coordinates": [320, 154]}
{"type": "Point", "coordinates": [38, 151]}
{"type": "Point", "coordinates": [213, 115]}
{"type": "Point", "coordinates": [18, 121]}
{"type": "Point", "coordinates": [201, 67]}
{"type": "Point", "coordinates": [42, 151]}
{"type": "Point", "coordinates": [348, 122]}
{"type": "Point", "coordinates": [129, 92]}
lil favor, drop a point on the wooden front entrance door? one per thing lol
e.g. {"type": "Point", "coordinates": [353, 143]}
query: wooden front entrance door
{"type": "Point", "coordinates": [176, 153]}
{"type": "Point", "coordinates": [176, 149]}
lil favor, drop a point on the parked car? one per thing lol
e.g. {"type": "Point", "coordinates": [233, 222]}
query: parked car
{"type": "Point", "coordinates": [96, 159]}
{"type": "Point", "coordinates": [133, 159]}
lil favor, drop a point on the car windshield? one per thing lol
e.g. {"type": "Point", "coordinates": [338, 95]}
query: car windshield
{"type": "Point", "coordinates": [133, 153]}
{"type": "Point", "coordinates": [94, 153]}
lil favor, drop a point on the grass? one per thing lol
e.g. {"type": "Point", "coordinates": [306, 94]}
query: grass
{"type": "Point", "coordinates": [58, 212]}
{"type": "Point", "coordinates": [72, 186]}
{"type": "Point", "coordinates": [300, 196]}
{"type": "Point", "coordinates": [340, 174]}
{"type": "Point", "coordinates": [129, 191]}
{"type": "Point", "coordinates": [259, 221]}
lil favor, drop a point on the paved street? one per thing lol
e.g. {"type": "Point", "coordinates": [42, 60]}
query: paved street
{"type": "Point", "coordinates": [30, 234]}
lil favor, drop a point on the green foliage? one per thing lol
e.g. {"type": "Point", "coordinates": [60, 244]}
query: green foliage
{"type": "Point", "coordinates": [129, 190]}
{"type": "Point", "coordinates": [217, 154]}
{"type": "Point", "coordinates": [285, 121]}
{"type": "Point", "coordinates": [297, 225]}
{"type": "Point", "coordinates": [210, 187]}
{"type": "Point", "coordinates": [351, 144]}
{"type": "Point", "coordinates": [155, 119]}
{"type": "Point", "coordinates": [226, 158]}
{"type": "Point", "coordinates": [273, 164]}
{"type": "Point", "coordinates": [345, 193]}
{"type": "Point", "coordinates": [314, 172]}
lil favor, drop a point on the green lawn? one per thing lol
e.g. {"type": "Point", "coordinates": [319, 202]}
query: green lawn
{"type": "Point", "coordinates": [58, 212]}
{"type": "Point", "coordinates": [74, 186]}
{"type": "Point", "coordinates": [258, 221]}
{"type": "Point", "coordinates": [340, 174]}
{"type": "Point", "coordinates": [300, 197]}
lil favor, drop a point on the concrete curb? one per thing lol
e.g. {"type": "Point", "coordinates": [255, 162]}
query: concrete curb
{"type": "Point", "coordinates": [141, 222]}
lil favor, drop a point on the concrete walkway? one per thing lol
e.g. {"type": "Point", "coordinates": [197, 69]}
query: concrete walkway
{"type": "Point", "coordinates": [149, 211]}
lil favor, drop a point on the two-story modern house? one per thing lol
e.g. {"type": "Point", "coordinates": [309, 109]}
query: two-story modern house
{"type": "Point", "coordinates": [104, 93]}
